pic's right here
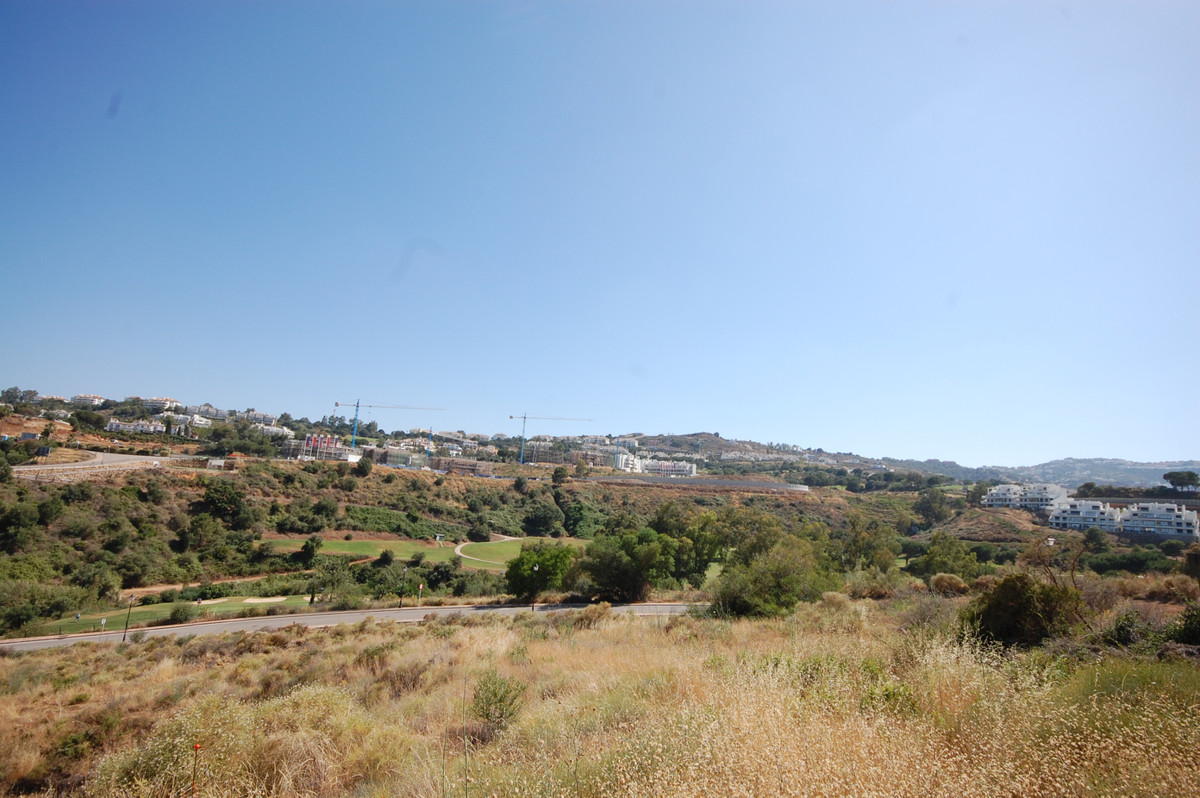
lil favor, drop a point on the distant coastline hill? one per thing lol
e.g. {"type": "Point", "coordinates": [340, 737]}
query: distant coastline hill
{"type": "Point", "coordinates": [1070, 473]}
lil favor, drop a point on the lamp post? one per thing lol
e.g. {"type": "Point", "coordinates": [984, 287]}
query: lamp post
{"type": "Point", "coordinates": [533, 600]}
{"type": "Point", "coordinates": [127, 614]}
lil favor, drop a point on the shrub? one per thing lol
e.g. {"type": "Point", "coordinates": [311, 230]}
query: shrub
{"type": "Point", "coordinates": [497, 699]}
{"type": "Point", "coordinates": [183, 612]}
{"type": "Point", "coordinates": [947, 584]}
{"type": "Point", "coordinates": [1186, 628]}
{"type": "Point", "coordinates": [1021, 611]}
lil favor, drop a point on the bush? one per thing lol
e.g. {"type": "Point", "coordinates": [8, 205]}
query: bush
{"type": "Point", "coordinates": [183, 612]}
{"type": "Point", "coordinates": [947, 584]}
{"type": "Point", "coordinates": [1021, 611]}
{"type": "Point", "coordinates": [497, 699]}
{"type": "Point", "coordinates": [1186, 628]}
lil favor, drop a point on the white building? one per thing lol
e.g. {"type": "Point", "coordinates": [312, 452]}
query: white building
{"type": "Point", "coordinates": [259, 418]}
{"type": "Point", "coordinates": [1003, 496]}
{"type": "Point", "coordinates": [87, 399]}
{"type": "Point", "coordinates": [145, 427]}
{"type": "Point", "coordinates": [1160, 519]}
{"type": "Point", "coordinates": [669, 468]}
{"type": "Point", "coordinates": [1084, 514]}
{"type": "Point", "coordinates": [161, 403]}
{"type": "Point", "coordinates": [1039, 498]}
{"type": "Point", "coordinates": [275, 431]}
{"type": "Point", "coordinates": [207, 411]}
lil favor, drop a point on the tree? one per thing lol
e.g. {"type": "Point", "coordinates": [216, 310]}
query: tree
{"type": "Point", "coordinates": [363, 467]}
{"type": "Point", "coordinates": [577, 520]}
{"type": "Point", "coordinates": [227, 501]}
{"type": "Point", "coordinates": [1182, 480]}
{"type": "Point", "coordinates": [1095, 540]}
{"type": "Point", "coordinates": [947, 555]}
{"type": "Point", "coordinates": [308, 552]}
{"type": "Point", "coordinates": [560, 475]}
{"type": "Point", "coordinates": [771, 585]}
{"type": "Point", "coordinates": [931, 506]}
{"type": "Point", "coordinates": [540, 566]}
{"type": "Point", "coordinates": [624, 567]}
{"type": "Point", "coordinates": [5, 469]}
{"type": "Point", "coordinates": [543, 519]}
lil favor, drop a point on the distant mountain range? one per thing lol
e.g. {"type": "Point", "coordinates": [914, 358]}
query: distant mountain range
{"type": "Point", "coordinates": [1070, 473]}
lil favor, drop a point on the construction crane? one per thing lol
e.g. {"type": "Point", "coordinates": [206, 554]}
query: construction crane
{"type": "Point", "coordinates": [354, 436]}
{"type": "Point", "coordinates": [524, 417]}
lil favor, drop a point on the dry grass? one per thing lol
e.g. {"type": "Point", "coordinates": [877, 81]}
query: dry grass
{"type": "Point", "coordinates": [843, 698]}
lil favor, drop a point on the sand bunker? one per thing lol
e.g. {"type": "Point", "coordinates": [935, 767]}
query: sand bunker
{"type": "Point", "coordinates": [270, 600]}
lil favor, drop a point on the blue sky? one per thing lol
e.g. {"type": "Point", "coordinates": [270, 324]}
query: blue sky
{"type": "Point", "coordinates": [968, 231]}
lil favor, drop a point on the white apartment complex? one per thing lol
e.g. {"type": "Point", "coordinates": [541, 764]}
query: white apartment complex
{"type": "Point", "coordinates": [1040, 498]}
{"type": "Point", "coordinates": [146, 427]}
{"type": "Point", "coordinates": [1154, 518]}
{"type": "Point", "coordinates": [1085, 514]}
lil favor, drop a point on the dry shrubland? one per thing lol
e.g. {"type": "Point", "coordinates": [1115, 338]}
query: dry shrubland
{"type": "Point", "coordinates": [843, 698]}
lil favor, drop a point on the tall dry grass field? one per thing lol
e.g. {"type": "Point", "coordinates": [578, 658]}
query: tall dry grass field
{"type": "Point", "coordinates": [838, 700]}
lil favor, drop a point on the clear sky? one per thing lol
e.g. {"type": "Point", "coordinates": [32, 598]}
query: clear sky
{"type": "Point", "coordinates": [968, 231]}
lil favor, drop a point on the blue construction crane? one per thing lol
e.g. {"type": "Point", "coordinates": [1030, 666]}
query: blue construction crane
{"type": "Point", "coordinates": [525, 417]}
{"type": "Point", "coordinates": [354, 437]}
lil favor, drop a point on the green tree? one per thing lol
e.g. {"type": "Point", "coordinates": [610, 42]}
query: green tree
{"type": "Point", "coordinates": [308, 552]}
{"type": "Point", "coordinates": [5, 469]}
{"type": "Point", "coordinates": [543, 519]}
{"type": "Point", "coordinates": [976, 493]}
{"type": "Point", "coordinates": [771, 585]}
{"type": "Point", "coordinates": [1183, 480]}
{"type": "Point", "coordinates": [227, 502]}
{"type": "Point", "coordinates": [560, 475]}
{"type": "Point", "coordinates": [540, 566]}
{"type": "Point", "coordinates": [578, 520]}
{"type": "Point", "coordinates": [363, 467]}
{"type": "Point", "coordinates": [1095, 540]}
{"type": "Point", "coordinates": [947, 555]}
{"type": "Point", "coordinates": [624, 567]}
{"type": "Point", "coordinates": [931, 506]}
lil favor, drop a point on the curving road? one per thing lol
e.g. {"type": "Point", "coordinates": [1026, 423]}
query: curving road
{"type": "Point", "coordinates": [321, 619]}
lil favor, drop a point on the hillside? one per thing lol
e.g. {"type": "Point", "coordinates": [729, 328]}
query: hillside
{"type": "Point", "coordinates": [1070, 473]}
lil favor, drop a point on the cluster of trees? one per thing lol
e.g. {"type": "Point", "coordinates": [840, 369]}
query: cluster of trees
{"type": "Point", "coordinates": [768, 563]}
{"type": "Point", "coordinates": [857, 480]}
{"type": "Point", "coordinates": [1182, 485]}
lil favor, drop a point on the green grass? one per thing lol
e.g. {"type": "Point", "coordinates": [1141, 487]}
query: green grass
{"type": "Point", "coordinates": [498, 554]}
{"type": "Point", "coordinates": [403, 549]}
{"type": "Point", "coordinates": [156, 612]}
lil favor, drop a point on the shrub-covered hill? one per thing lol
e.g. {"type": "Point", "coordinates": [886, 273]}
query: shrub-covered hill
{"type": "Point", "coordinates": [69, 546]}
{"type": "Point", "coordinates": [998, 525]}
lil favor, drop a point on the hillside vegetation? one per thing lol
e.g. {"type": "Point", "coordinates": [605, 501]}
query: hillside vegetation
{"type": "Point", "coordinates": [842, 698]}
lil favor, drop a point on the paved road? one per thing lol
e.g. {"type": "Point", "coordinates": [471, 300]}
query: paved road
{"type": "Point", "coordinates": [98, 459]}
{"type": "Point", "coordinates": [320, 619]}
